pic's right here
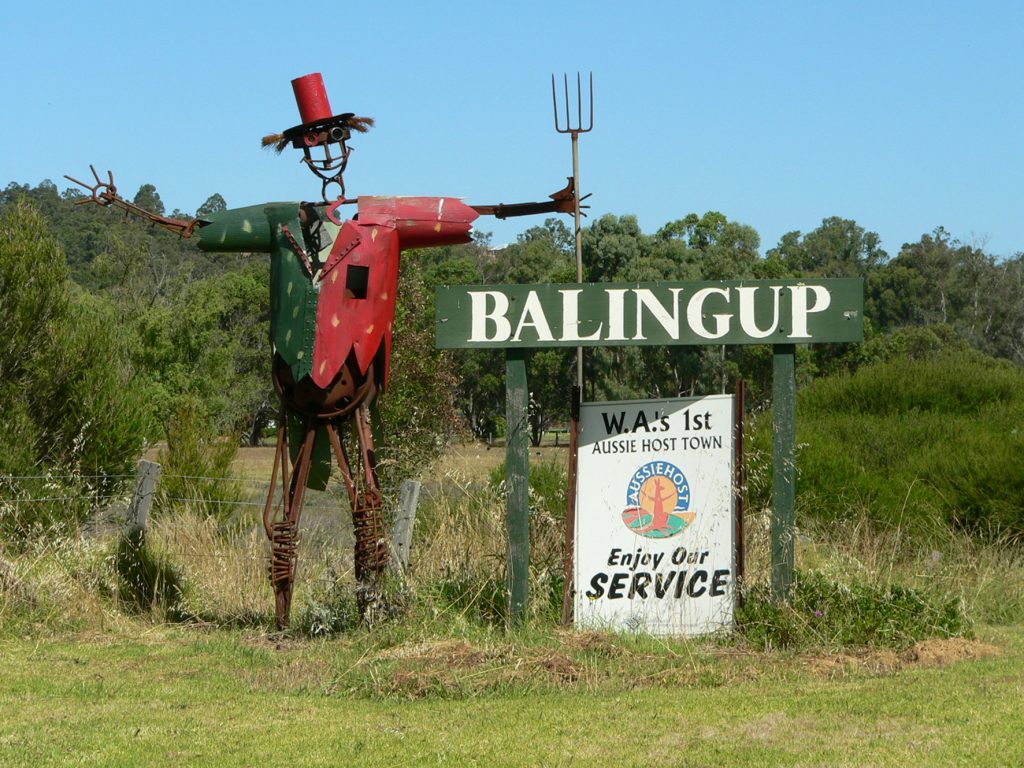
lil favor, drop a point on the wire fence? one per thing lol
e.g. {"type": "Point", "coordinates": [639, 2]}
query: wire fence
{"type": "Point", "coordinates": [16, 491]}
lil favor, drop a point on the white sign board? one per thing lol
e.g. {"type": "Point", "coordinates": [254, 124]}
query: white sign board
{"type": "Point", "coordinates": [655, 531]}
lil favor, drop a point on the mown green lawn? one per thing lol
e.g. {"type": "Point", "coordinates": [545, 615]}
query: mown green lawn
{"type": "Point", "coordinates": [182, 697]}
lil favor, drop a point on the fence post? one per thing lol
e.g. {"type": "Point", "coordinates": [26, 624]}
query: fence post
{"type": "Point", "coordinates": [146, 478]}
{"type": "Point", "coordinates": [783, 524]}
{"type": "Point", "coordinates": [401, 532]}
{"type": "Point", "coordinates": [517, 478]}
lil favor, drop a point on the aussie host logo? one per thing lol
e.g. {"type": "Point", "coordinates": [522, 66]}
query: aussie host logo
{"type": "Point", "coordinates": [658, 501]}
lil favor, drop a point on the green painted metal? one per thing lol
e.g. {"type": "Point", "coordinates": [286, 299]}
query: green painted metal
{"type": "Point", "coordinates": [320, 468]}
{"type": "Point", "coordinates": [237, 230]}
{"type": "Point", "coordinates": [645, 314]}
{"type": "Point", "coordinates": [783, 523]}
{"type": "Point", "coordinates": [262, 228]}
{"type": "Point", "coordinates": [293, 311]}
{"type": "Point", "coordinates": [517, 463]}
{"type": "Point", "coordinates": [265, 228]}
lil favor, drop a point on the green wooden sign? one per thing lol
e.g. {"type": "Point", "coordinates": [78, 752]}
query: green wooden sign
{"type": "Point", "coordinates": [643, 314]}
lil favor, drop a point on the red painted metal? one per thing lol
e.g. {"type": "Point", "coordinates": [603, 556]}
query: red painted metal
{"type": "Point", "coordinates": [366, 253]}
{"type": "Point", "coordinates": [311, 97]}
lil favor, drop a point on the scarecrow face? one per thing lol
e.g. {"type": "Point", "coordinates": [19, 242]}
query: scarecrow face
{"type": "Point", "coordinates": [325, 150]}
{"type": "Point", "coordinates": [322, 135]}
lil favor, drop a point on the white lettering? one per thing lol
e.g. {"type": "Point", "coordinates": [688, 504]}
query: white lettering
{"type": "Point", "coordinates": [479, 316]}
{"type": "Point", "coordinates": [695, 314]}
{"type": "Point", "coordinates": [533, 317]}
{"type": "Point", "coordinates": [822, 298]}
{"type": "Point", "coordinates": [571, 317]}
{"type": "Point", "coordinates": [645, 298]}
{"type": "Point", "coordinates": [616, 313]}
{"type": "Point", "coordinates": [747, 304]}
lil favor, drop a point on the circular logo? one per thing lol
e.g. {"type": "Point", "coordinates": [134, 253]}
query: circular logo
{"type": "Point", "coordinates": [658, 501]}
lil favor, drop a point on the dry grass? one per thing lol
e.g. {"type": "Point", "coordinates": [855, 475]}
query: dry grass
{"type": "Point", "coordinates": [457, 577]}
{"type": "Point", "coordinates": [986, 575]}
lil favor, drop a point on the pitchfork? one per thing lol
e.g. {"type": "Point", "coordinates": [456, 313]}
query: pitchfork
{"type": "Point", "coordinates": [574, 130]}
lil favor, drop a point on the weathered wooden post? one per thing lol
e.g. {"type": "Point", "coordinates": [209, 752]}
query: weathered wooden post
{"type": "Point", "coordinates": [517, 479]}
{"type": "Point", "coordinates": [405, 520]}
{"type": "Point", "coordinates": [146, 477]}
{"type": "Point", "coordinates": [140, 575]}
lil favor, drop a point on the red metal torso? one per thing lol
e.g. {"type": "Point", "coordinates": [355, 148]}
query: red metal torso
{"type": "Point", "coordinates": [356, 308]}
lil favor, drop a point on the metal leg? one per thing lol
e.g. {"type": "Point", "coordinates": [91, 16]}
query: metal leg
{"type": "Point", "coordinates": [284, 531]}
{"type": "Point", "coordinates": [371, 551]}
{"type": "Point", "coordinates": [368, 521]}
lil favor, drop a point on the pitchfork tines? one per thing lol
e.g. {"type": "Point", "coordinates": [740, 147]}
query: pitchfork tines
{"type": "Point", "coordinates": [579, 127]}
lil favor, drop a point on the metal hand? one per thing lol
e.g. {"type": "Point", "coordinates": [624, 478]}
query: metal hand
{"type": "Point", "coordinates": [105, 194]}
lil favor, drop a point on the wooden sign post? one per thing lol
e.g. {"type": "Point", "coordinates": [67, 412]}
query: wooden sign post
{"type": "Point", "coordinates": [781, 313]}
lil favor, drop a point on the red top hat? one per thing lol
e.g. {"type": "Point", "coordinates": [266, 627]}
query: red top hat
{"type": "Point", "coordinates": [311, 96]}
{"type": "Point", "coordinates": [319, 124]}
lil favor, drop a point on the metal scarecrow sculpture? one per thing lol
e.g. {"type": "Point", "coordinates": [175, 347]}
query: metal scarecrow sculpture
{"type": "Point", "coordinates": [333, 285]}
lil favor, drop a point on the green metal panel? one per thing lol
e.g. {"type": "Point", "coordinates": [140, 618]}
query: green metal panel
{"type": "Point", "coordinates": [293, 296]}
{"type": "Point", "coordinates": [644, 314]}
{"type": "Point", "coordinates": [783, 525]}
{"type": "Point", "coordinates": [517, 463]}
{"type": "Point", "coordinates": [320, 470]}
{"type": "Point", "coordinates": [240, 229]}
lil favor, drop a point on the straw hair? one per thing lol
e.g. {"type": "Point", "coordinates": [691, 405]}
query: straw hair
{"type": "Point", "coordinates": [280, 140]}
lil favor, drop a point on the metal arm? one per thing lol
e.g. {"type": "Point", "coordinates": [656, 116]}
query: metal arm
{"type": "Point", "coordinates": [105, 194]}
{"type": "Point", "coordinates": [562, 201]}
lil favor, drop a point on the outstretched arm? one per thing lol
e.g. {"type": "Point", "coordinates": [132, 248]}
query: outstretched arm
{"type": "Point", "coordinates": [105, 194]}
{"type": "Point", "coordinates": [562, 201]}
{"type": "Point", "coordinates": [238, 230]}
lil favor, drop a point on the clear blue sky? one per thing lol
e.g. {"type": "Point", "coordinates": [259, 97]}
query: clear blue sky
{"type": "Point", "coordinates": [901, 115]}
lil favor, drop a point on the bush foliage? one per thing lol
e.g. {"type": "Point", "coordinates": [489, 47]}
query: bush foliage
{"type": "Point", "coordinates": [907, 442]}
{"type": "Point", "coordinates": [827, 613]}
{"type": "Point", "coordinates": [73, 423]}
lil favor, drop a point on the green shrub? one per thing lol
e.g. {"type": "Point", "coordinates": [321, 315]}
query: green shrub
{"type": "Point", "coordinates": [328, 612]}
{"type": "Point", "coordinates": [196, 467]}
{"type": "Point", "coordinates": [907, 442]}
{"type": "Point", "coordinates": [74, 422]}
{"type": "Point", "coordinates": [826, 613]}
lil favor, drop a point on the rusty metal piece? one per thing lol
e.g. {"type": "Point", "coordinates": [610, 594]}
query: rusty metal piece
{"type": "Point", "coordinates": [562, 201]}
{"type": "Point", "coordinates": [105, 193]}
{"type": "Point", "coordinates": [283, 532]}
{"type": "Point", "coordinates": [371, 550]}
{"type": "Point", "coordinates": [574, 130]}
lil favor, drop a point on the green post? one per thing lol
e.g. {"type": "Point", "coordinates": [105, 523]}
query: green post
{"type": "Point", "coordinates": [783, 470]}
{"type": "Point", "coordinates": [517, 463]}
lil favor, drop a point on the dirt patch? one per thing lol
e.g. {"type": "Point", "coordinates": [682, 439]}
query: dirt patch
{"type": "Point", "coordinates": [589, 641]}
{"type": "Point", "coordinates": [443, 653]}
{"type": "Point", "coordinates": [932, 653]}
{"type": "Point", "coordinates": [559, 667]}
{"type": "Point", "coordinates": [926, 653]}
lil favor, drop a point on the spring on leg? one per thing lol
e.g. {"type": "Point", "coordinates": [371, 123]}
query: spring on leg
{"type": "Point", "coordinates": [283, 543]}
{"type": "Point", "coordinates": [371, 544]}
